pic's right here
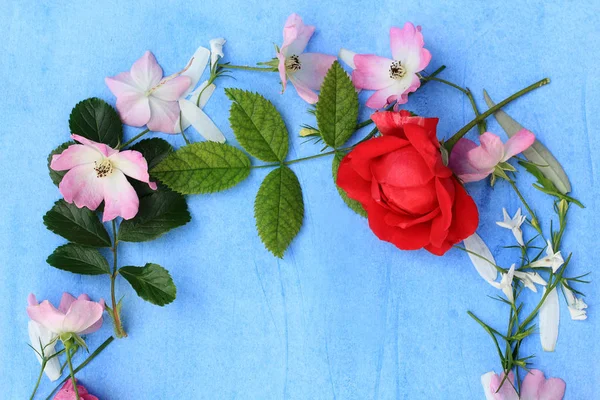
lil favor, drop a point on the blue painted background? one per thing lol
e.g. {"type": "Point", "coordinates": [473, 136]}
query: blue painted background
{"type": "Point", "coordinates": [343, 315]}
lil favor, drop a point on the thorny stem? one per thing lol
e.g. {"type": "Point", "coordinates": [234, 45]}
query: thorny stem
{"type": "Point", "coordinates": [119, 331]}
{"type": "Point", "coordinates": [248, 68]}
{"type": "Point", "coordinates": [133, 139]}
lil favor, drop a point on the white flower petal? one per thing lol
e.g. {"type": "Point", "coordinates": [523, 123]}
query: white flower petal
{"type": "Point", "coordinates": [486, 380]}
{"type": "Point", "coordinates": [206, 93]}
{"type": "Point", "coordinates": [549, 315]}
{"type": "Point", "coordinates": [197, 64]}
{"type": "Point", "coordinates": [482, 260]}
{"type": "Point", "coordinates": [216, 50]}
{"type": "Point", "coordinates": [347, 57]}
{"type": "Point", "coordinates": [201, 122]}
{"type": "Point", "coordinates": [37, 334]}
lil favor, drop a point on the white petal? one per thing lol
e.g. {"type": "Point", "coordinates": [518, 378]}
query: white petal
{"type": "Point", "coordinates": [486, 380]}
{"type": "Point", "coordinates": [347, 57]}
{"type": "Point", "coordinates": [197, 64]}
{"type": "Point", "coordinates": [206, 93]}
{"type": "Point", "coordinates": [201, 122]}
{"type": "Point", "coordinates": [484, 260]}
{"type": "Point", "coordinates": [576, 314]}
{"type": "Point", "coordinates": [518, 234]}
{"type": "Point", "coordinates": [549, 317]}
{"type": "Point", "coordinates": [216, 50]}
{"type": "Point", "coordinates": [37, 334]}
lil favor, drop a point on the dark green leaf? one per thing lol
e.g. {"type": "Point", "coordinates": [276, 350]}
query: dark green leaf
{"type": "Point", "coordinates": [337, 109]}
{"type": "Point", "coordinates": [279, 210]}
{"type": "Point", "coordinates": [159, 212]}
{"type": "Point", "coordinates": [205, 167]}
{"type": "Point", "coordinates": [152, 283]}
{"type": "Point", "coordinates": [154, 150]}
{"type": "Point", "coordinates": [546, 185]}
{"type": "Point", "coordinates": [57, 176]}
{"type": "Point", "coordinates": [257, 125]}
{"type": "Point", "coordinates": [96, 120]}
{"type": "Point", "coordinates": [79, 260]}
{"type": "Point", "coordinates": [353, 204]}
{"type": "Point", "coordinates": [78, 225]}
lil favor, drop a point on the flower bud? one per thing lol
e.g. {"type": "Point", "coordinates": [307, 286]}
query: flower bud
{"type": "Point", "coordinates": [563, 206]}
{"type": "Point", "coordinates": [304, 132]}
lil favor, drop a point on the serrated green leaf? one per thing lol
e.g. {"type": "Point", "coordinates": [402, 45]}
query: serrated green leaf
{"type": "Point", "coordinates": [353, 204]}
{"type": "Point", "coordinates": [257, 125]}
{"type": "Point", "coordinates": [279, 210]}
{"type": "Point", "coordinates": [154, 150]}
{"type": "Point", "coordinates": [337, 108]}
{"type": "Point", "coordinates": [159, 212]}
{"type": "Point", "coordinates": [205, 167]}
{"type": "Point", "coordinates": [79, 260]}
{"type": "Point", "coordinates": [152, 283]}
{"type": "Point", "coordinates": [537, 153]}
{"type": "Point", "coordinates": [57, 176]}
{"type": "Point", "coordinates": [78, 225]}
{"type": "Point", "coordinates": [96, 120]}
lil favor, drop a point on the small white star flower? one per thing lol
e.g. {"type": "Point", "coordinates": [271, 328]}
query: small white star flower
{"type": "Point", "coordinates": [514, 224]}
{"type": "Point", "coordinates": [552, 259]}
{"type": "Point", "coordinates": [529, 279]}
{"type": "Point", "coordinates": [505, 284]}
{"type": "Point", "coordinates": [576, 306]}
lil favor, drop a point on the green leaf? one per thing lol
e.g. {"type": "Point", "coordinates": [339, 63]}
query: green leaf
{"type": "Point", "coordinates": [205, 167]}
{"type": "Point", "coordinates": [152, 283]}
{"type": "Point", "coordinates": [78, 225]}
{"type": "Point", "coordinates": [96, 120]}
{"type": "Point", "coordinates": [79, 260]}
{"type": "Point", "coordinates": [57, 176]}
{"type": "Point", "coordinates": [353, 204]}
{"type": "Point", "coordinates": [279, 210]}
{"type": "Point", "coordinates": [337, 109]}
{"type": "Point", "coordinates": [154, 150]}
{"type": "Point", "coordinates": [257, 125]}
{"type": "Point", "coordinates": [159, 212]}
{"type": "Point", "coordinates": [537, 153]}
{"type": "Point", "coordinates": [545, 185]}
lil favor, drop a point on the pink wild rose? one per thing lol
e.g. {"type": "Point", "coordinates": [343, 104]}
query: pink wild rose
{"type": "Point", "coordinates": [393, 79]}
{"type": "Point", "coordinates": [306, 71]}
{"type": "Point", "coordinates": [534, 387]}
{"type": "Point", "coordinates": [67, 392]}
{"type": "Point", "coordinates": [473, 163]}
{"type": "Point", "coordinates": [98, 173]}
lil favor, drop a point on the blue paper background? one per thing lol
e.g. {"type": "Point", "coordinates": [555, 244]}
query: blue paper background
{"type": "Point", "coordinates": [343, 315]}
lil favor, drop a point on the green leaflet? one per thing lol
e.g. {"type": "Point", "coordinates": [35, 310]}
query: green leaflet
{"type": "Point", "coordinates": [337, 109]}
{"type": "Point", "coordinates": [96, 120]}
{"type": "Point", "coordinates": [546, 185]}
{"type": "Point", "coordinates": [78, 225]}
{"type": "Point", "coordinates": [151, 282]}
{"type": "Point", "coordinates": [257, 125]}
{"type": "Point", "coordinates": [57, 176]}
{"type": "Point", "coordinates": [537, 153]}
{"type": "Point", "coordinates": [353, 204]}
{"type": "Point", "coordinates": [279, 210]}
{"type": "Point", "coordinates": [79, 260]}
{"type": "Point", "coordinates": [205, 167]}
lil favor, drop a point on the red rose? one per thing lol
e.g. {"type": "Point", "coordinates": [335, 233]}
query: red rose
{"type": "Point", "coordinates": [411, 198]}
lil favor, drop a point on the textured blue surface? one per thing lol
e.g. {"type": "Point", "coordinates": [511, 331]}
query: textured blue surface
{"type": "Point", "coordinates": [343, 315]}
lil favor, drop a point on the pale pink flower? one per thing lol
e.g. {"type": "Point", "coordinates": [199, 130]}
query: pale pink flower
{"type": "Point", "coordinates": [74, 315]}
{"type": "Point", "coordinates": [473, 163]}
{"type": "Point", "coordinates": [306, 71]}
{"type": "Point", "coordinates": [145, 98]}
{"type": "Point", "coordinates": [98, 172]}
{"type": "Point", "coordinates": [67, 392]}
{"type": "Point", "coordinates": [534, 387]}
{"type": "Point", "coordinates": [393, 79]}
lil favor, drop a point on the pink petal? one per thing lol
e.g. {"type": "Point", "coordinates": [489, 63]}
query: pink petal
{"type": "Point", "coordinates": [372, 72]}
{"type": "Point", "coordinates": [507, 391]}
{"type": "Point", "coordinates": [172, 89]}
{"type": "Point", "coordinates": [488, 154]}
{"type": "Point", "coordinates": [164, 115]}
{"type": "Point", "coordinates": [282, 71]}
{"type": "Point", "coordinates": [146, 72]}
{"type": "Point", "coordinates": [383, 97]}
{"type": "Point", "coordinates": [304, 91]}
{"type": "Point", "coordinates": [82, 186]}
{"type": "Point", "coordinates": [65, 302]}
{"type": "Point", "coordinates": [414, 84]}
{"type": "Point", "coordinates": [407, 47]}
{"type": "Point", "coordinates": [536, 387]}
{"type": "Point", "coordinates": [120, 199]}
{"type": "Point", "coordinates": [123, 84]}
{"type": "Point", "coordinates": [134, 109]}
{"type": "Point", "coordinates": [518, 143]}
{"type": "Point", "coordinates": [295, 35]}
{"type": "Point", "coordinates": [314, 67]}
{"type": "Point", "coordinates": [460, 163]}
{"type": "Point", "coordinates": [73, 156]}
{"type": "Point", "coordinates": [47, 315]}
{"type": "Point", "coordinates": [105, 150]}
{"type": "Point", "coordinates": [31, 300]}
{"type": "Point", "coordinates": [82, 315]}
{"type": "Point", "coordinates": [133, 164]}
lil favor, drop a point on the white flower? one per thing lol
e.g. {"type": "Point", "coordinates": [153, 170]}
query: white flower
{"type": "Point", "coordinates": [552, 259]}
{"type": "Point", "coordinates": [505, 284]}
{"type": "Point", "coordinates": [40, 339]}
{"type": "Point", "coordinates": [529, 279]}
{"type": "Point", "coordinates": [549, 316]}
{"type": "Point", "coordinates": [576, 306]}
{"type": "Point", "coordinates": [514, 224]}
{"type": "Point", "coordinates": [216, 51]}
{"type": "Point", "coordinates": [481, 257]}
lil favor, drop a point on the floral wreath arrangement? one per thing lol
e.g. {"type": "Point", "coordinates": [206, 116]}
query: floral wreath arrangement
{"type": "Point", "coordinates": [409, 183]}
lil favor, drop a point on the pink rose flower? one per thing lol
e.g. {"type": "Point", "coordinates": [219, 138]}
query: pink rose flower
{"type": "Point", "coordinates": [534, 387]}
{"type": "Point", "coordinates": [67, 392]}
{"type": "Point", "coordinates": [79, 316]}
{"type": "Point", "coordinates": [306, 71]}
{"type": "Point", "coordinates": [473, 163]}
{"type": "Point", "coordinates": [145, 98]}
{"type": "Point", "coordinates": [96, 173]}
{"type": "Point", "coordinates": [393, 79]}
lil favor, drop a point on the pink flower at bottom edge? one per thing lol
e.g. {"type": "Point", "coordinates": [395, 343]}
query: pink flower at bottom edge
{"type": "Point", "coordinates": [67, 392]}
{"type": "Point", "coordinates": [534, 387]}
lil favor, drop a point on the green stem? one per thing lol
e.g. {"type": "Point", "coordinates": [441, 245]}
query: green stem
{"type": "Point", "coordinates": [445, 82]}
{"type": "Point", "coordinates": [463, 131]}
{"type": "Point", "coordinates": [119, 331]}
{"type": "Point", "coordinates": [133, 139]}
{"type": "Point", "coordinates": [248, 68]}
{"type": "Point", "coordinates": [71, 371]}
{"type": "Point", "coordinates": [37, 383]}
{"type": "Point", "coordinates": [536, 226]}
